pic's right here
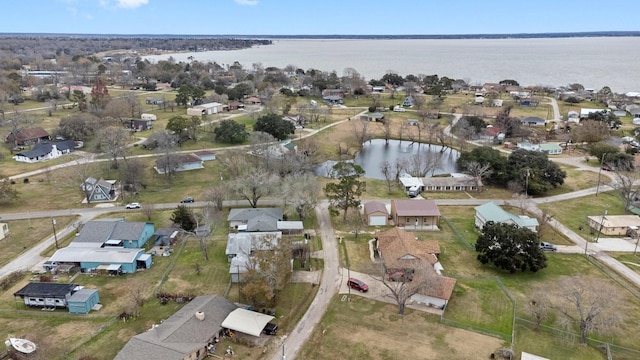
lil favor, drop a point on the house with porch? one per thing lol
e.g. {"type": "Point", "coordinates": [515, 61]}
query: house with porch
{"type": "Point", "coordinates": [416, 214]}
{"type": "Point", "coordinates": [184, 335]}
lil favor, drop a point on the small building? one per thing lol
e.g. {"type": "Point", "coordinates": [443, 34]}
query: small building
{"type": "Point", "coordinates": [4, 230]}
{"type": "Point", "coordinates": [140, 124]}
{"type": "Point", "coordinates": [236, 105]}
{"type": "Point", "coordinates": [376, 117]}
{"type": "Point", "coordinates": [290, 227]}
{"type": "Point", "coordinates": [409, 182]}
{"type": "Point", "coordinates": [533, 121]}
{"type": "Point", "coordinates": [613, 224]}
{"type": "Point", "coordinates": [246, 321]}
{"type": "Point", "coordinates": [45, 151]}
{"type": "Point", "coordinates": [83, 301]}
{"type": "Point", "coordinates": [492, 212]}
{"type": "Point", "coordinates": [185, 162]}
{"type": "Point", "coordinates": [147, 116]}
{"type": "Point", "coordinates": [107, 261]}
{"type": "Point", "coordinates": [376, 213]}
{"type": "Point", "coordinates": [551, 148]}
{"type": "Point", "coordinates": [205, 155]}
{"type": "Point", "coordinates": [253, 100]}
{"type": "Point", "coordinates": [408, 101]}
{"type": "Point", "coordinates": [415, 214]}
{"type": "Point", "coordinates": [154, 101]}
{"type": "Point", "coordinates": [205, 109]}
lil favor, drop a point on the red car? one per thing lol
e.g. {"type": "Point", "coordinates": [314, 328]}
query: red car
{"type": "Point", "coordinates": [358, 285]}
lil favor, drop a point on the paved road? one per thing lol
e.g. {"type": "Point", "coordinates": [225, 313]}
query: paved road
{"type": "Point", "coordinates": [329, 285]}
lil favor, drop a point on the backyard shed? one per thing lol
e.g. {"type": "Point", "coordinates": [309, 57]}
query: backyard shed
{"type": "Point", "coordinates": [376, 213]}
{"type": "Point", "coordinates": [83, 300]}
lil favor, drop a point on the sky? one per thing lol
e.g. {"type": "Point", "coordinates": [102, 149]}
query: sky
{"type": "Point", "coordinates": [318, 17]}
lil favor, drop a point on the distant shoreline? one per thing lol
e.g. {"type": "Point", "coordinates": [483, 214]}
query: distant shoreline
{"type": "Point", "coordinates": [336, 36]}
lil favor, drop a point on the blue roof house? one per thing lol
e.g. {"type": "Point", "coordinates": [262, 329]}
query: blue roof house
{"type": "Point", "coordinates": [492, 212]}
{"type": "Point", "coordinates": [114, 233]}
{"type": "Point", "coordinates": [83, 300]}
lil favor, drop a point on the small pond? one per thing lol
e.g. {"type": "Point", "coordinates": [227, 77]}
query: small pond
{"type": "Point", "coordinates": [374, 152]}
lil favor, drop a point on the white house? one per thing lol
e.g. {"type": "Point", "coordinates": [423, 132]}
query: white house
{"type": "Point", "coordinates": [45, 151]}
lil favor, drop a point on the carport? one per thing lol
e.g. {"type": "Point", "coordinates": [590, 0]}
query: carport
{"type": "Point", "coordinates": [246, 321]}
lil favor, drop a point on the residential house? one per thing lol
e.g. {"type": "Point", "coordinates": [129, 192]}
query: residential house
{"type": "Point", "coordinates": [58, 295]}
{"type": "Point", "coordinates": [112, 246]}
{"type": "Point", "coordinates": [418, 214]}
{"type": "Point", "coordinates": [333, 92]}
{"type": "Point", "coordinates": [333, 100]}
{"type": "Point", "coordinates": [99, 190]}
{"type": "Point", "coordinates": [377, 117]}
{"type": "Point", "coordinates": [551, 148]}
{"type": "Point", "coordinates": [454, 182]}
{"type": "Point", "coordinates": [497, 102]}
{"type": "Point", "coordinates": [4, 230]}
{"type": "Point", "coordinates": [573, 117]}
{"type": "Point", "coordinates": [205, 109]}
{"type": "Point", "coordinates": [377, 89]}
{"type": "Point", "coordinates": [408, 101]}
{"type": "Point", "coordinates": [184, 335]}
{"type": "Point", "coordinates": [490, 211]}
{"type": "Point", "coordinates": [253, 100]}
{"type": "Point", "coordinates": [242, 246]}
{"type": "Point", "coordinates": [533, 121]}
{"type": "Point", "coordinates": [244, 219]}
{"type": "Point", "coordinates": [29, 136]}
{"type": "Point", "coordinates": [140, 124]}
{"type": "Point", "coordinates": [185, 162]}
{"type": "Point", "coordinates": [410, 183]}
{"type": "Point", "coordinates": [403, 255]}
{"type": "Point", "coordinates": [612, 224]}
{"type": "Point", "coordinates": [376, 213]}
{"type": "Point", "coordinates": [45, 151]}
{"type": "Point", "coordinates": [154, 101]}
{"type": "Point", "coordinates": [584, 113]}
{"type": "Point", "coordinates": [525, 145]}
{"type": "Point", "coordinates": [236, 105]}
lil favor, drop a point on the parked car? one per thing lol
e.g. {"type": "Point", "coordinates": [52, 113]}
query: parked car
{"type": "Point", "coordinates": [545, 246]}
{"type": "Point", "coordinates": [270, 329]}
{"type": "Point", "coordinates": [134, 205]}
{"type": "Point", "coordinates": [188, 199]}
{"type": "Point", "coordinates": [358, 285]}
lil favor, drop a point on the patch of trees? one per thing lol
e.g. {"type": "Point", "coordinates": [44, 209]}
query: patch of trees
{"type": "Point", "coordinates": [230, 132]}
{"type": "Point", "coordinates": [510, 247]}
{"type": "Point", "coordinates": [523, 171]}
{"type": "Point", "coordinates": [274, 125]}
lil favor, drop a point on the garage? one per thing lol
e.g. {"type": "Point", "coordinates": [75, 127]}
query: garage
{"type": "Point", "coordinates": [376, 213]}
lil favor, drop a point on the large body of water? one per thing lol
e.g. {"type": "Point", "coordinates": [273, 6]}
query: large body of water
{"type": "Point", "coordinates": [594, 62]}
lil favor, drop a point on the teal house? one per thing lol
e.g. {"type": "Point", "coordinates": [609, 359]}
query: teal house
{"type": "Point", "coordinates": [83, 301]}
{"type": "Point", "coordinates": [492, 212]}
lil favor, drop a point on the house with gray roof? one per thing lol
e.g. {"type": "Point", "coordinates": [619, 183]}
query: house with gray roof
{"type": "Point", "coordinates": [492, 212]}
{"type": "Point", "coordinates": [114, 233]}
{"type": "Point", "coordinates": [184, 335]}
{"type": "Point", "coordinates": [240, 218]}
{"type": "Point", "coordinates": [45, 151]}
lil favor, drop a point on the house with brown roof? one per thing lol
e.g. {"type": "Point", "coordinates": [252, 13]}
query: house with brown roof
{"type": "Point", "coordinates": [236, 105]}
{"type": "Point", "coordinates": [403, 255]}
{"type": "Point", "coordinates": [28, 136]}
{"type": "Point", "coordinates": [254, 100]}
{"type": "Point", "coordinates": [376, 213]}
{"type": "Point", "coordinates": [416, 214]}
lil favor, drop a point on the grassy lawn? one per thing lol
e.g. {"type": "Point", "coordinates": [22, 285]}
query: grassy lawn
{"type": "Point", "coordinates": [573, 213]}
{"type": "Point", "coordinates": [631, 260]}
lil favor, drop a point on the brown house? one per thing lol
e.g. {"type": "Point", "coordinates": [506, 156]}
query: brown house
{"type": "Point", "coordinates": [417, 214]}
{"type": "Point", "coordinates": [401, 252]}
{"type": "Point", "coordinates": [29, 136]}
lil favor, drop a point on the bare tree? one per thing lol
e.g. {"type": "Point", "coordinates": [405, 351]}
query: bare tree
{"type": "Point", "coordinates": [360, 131]}
{"type": "Point", "coordinates": [217, 194]}
{"type": "Point", "coordinates": [300, 193]}
{"type": "Point", "coordinates": [254, 184]}
{"type": "Point", "coordinates": [421, 164]}
{"type": "Point", "coordinates": [206, 222]}
{"type": "Point", "coordinates": [539, 306]}
{"type": "Point", "coordinates": [387, 170]}
{"type": "Point", "coordinates": [148, 210]}
{"type": "Point", "coordinates": [355, 222]}
{"type": "Point", "coordinates": [624, 186]}
{"type": "Point", "coordinates": [386, 130]}
{"type": "Point", "coordinates": [399, 166]}
{"type": "Point", "coordinates": [590, 304]}
{"type": "Point", "coordinates": [478, 172]}
{"type": "Point", "coordinates": [113, 141]}
{"type": "Point", "coordinates": [417, 276]}
{"type": "Point", "coordinates": [168, 161]}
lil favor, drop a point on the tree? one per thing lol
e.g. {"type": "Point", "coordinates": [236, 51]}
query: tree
{"type": "Point", "coordinates": [387, 170]}
{"type": "Point", "coordinates": [510, 247]}
{"type": "Point", "coordinates": [588, 303]}
{"type": "Point", "coordinates": [625, 188]}
{"type": "Point", "coordinates": [7, 192]}
{"type": "Point", "coordinates": [179, 125]}
{"type": "Point", "coordinates": [423, 278]}
{"type": "Point", "coordinates": [486, 156]}
{"type": "Point", "coordinates": [184, 218]}
{"type": "Point", "coordinates": [478, 172]}
{"type": "Point", "coordinates": [99, 94]}
{"type": "Point", "coordinates": [183, 95]}
{"type": "Point", "coordinates": [535, 170]}
{"type": "Point", "coordinates": [599, 149]}
{"type": "Point", "coordinates": [254, 184]}
{"type": "Point", "coordinates": [217, 194]}
{"type": "Point", "coordinates": [230, 132]}
{"type": "Point", "coordinates": [300, 193]}
{"type": "Point", "coordinates": [113, 141]}
{"type": "Point", "coordinates": [275, 125]}
{"type": "Point", "coordinates": [346, 192]}
{"type": "Point", "coordinates": [539, 306]}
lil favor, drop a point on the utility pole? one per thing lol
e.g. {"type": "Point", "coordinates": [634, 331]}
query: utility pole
{"type": "Point", "coordinates": [601, 224]}
{"type": "Point", "coordinates": [599, 173]}
{"type": "Point", "coordinates": [55, 235]}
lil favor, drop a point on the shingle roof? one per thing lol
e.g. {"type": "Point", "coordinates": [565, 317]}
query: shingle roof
{"type": "Point", "coordinates": [249, 213]}
{"type": "Point", "coordinates": [418, 207]}
{"type": "Point", "coordinates": [492, 212]}
{"type": "Point", "coordinates": [441, 287]}
{"type": "Point", "coordinates": [182, 333]}
{"type": "Point", "coordinates": [42, 149]}
{"type": "Point", "coordinates": [96, 231]}
{"type": "Point", "coordinates": [397, 246]}
{"type": "Point", "coordinates": [30, 134]}
{"type": "Point", "coordinates": [374, 206]}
